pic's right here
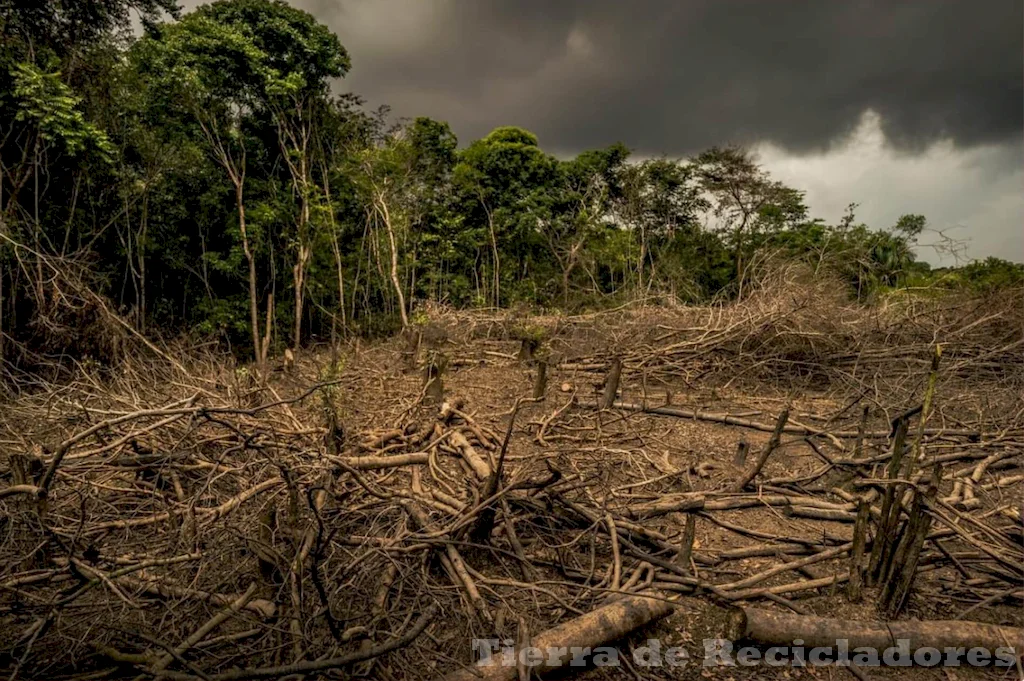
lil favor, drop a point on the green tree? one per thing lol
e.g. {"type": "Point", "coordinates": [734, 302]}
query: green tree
{"type": "Point", "coordinates": [296, 58]}
{"type": "Point", "coordinates": [745, 198]}
{"type": "Point", "coordinates": [235, 59]}
{"type": "Point", "coordinates": [506, 183]}
{"type": "Point", "coordinates": [587, 185]}
{"type": "Point", "coordinates": [658, 199]}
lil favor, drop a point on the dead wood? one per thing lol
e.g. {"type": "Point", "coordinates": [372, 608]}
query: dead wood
{"type": "Point", "coordinates": [773, 442]}
{"type": "Point", "coordinates": [768, 627]}
{"type": "Point", "coordinates": [596, 628]}
{"type": "Point", "coordinates": [173, 489]}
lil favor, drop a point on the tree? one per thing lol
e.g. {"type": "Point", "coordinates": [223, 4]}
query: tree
{"type": "Point", "coordinates": [343, 132]}
{"type": "Point", "coordinates": [586, 186]}
{"type": "Point", "coordinates": [207, 70]}
{"type": "Point", "coordinates": [233, 60]}
{"type": "Point", "coordinates": [433, 221]}
{"type": "Point", "coordinates": [64, 28]}
{"type": "Point", "coordinates": [296, 58]}
{"type": "Point", "coordinates": [506, 183]}
{"type": "Point", "coordinates": [657, 199]}
{"type": "Point", "coordinates": [387, 181]}
{"type": "Point", "coordinates": [746, 198]}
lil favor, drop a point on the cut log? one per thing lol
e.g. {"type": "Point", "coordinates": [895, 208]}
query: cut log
{"type": "Point", "coordinates": [596, 628]}
{"type": "Point", "coordinates": [700, 501]}
{"type": "Point", "coordinates": [768, 627]}
{"type": "Point", "coordinates": [731, 420]}
{"type": "Point", "coordinates": [372, 463]}
{"type": "Point", "coordinates": [475, 461]}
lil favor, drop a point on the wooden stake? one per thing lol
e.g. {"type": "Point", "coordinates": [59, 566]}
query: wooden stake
{"type": "Point", "coordinates": [686, 544]}
{"type": "Point", "coordinates": [742, 448]}
{"type": "Point", "coordinates": [611, 384]}
{"type": "Point", "coordinates": [540, 383]}
{"type": "Point", "coordinates": [860, 531]}
{"type": "Point", "coordinates": [901, 577]}
{"type": "Point", "coordinates": [433, 380]}
{"type": "Point", "coordinates": [858, 448]}
{"type": "Point", "coordinates": [889, 520]}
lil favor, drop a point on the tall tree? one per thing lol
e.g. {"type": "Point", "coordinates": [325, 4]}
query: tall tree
{"type": "Point", "coordinates": [656, 198]}
{"type": "Point", "coordinates": [297, 58]}
{"type": "Point", "coordinates": [235, 59]}
{"type": "Point", "coordinates": [745, 197]}
{"type": "Point", "coordinates": [506, 182]}
{"type": "Point", "coordinates": [587, 185]}
{"type": "Point", "coordinates": [206, 70]}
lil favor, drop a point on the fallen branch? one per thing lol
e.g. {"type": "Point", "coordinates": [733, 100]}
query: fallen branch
{"type": "Point", "coordinates": [308, 666]}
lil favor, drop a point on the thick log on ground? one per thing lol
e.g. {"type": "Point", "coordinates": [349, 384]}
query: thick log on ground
{"type": "Point", "coordinates": [779, 628]}
{"type": "Point", "coordinates": [595, 628]}
{"type": "Point", "coordinates": [702, 501]}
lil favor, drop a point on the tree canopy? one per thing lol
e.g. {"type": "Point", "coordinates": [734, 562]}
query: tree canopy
{"type": "Point", "coordinates": [207, 178]}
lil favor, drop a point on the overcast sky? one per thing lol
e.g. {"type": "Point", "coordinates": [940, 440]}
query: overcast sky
{"type": "Point", "coordinates": [897, 106]}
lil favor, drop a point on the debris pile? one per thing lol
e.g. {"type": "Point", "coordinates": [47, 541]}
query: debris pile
{"type": "Point", "coordinates": [195, 522]}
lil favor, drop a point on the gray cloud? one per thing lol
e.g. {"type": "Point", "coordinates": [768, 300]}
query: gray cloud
{"type": "Point", "coordinates": [674, 77]}
{"type": "Point", "coordinates": [971, 197]}
{"type": "Point", "coordinates": [941, 83]}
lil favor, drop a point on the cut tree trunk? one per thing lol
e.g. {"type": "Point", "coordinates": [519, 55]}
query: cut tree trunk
{"type": "Point", "coordinates": [773, 442]}
{"type": "Point", "coordinates": [540, 383]}
{"type": "Point", "coordinates": [768, 627]}
{"type": "Point", "coordinates": [611, 384]}
{"type": "Point", "coordinates": [596, 628]}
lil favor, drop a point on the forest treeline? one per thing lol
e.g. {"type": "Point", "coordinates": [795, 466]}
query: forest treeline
{"type": "Point", "coordinates": [200, 176]}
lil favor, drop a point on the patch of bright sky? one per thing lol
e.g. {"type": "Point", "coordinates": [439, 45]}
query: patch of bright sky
{"type": "Point", "coordinates": [972, 196]}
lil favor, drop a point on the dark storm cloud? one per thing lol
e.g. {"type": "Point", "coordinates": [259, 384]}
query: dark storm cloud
{"type": "Point", "coordinates": [674, 77]}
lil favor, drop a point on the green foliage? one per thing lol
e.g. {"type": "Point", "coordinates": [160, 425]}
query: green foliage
{"type": "Point", "coordinates": [152, 149]}
{"type": "Point", "coordinates": [42, 100]}
{"type": "Point", "coordinates": [986, 276]}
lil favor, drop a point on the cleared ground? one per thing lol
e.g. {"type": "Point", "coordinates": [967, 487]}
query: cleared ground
{"type": "Point", "coordinates": [199, 522]}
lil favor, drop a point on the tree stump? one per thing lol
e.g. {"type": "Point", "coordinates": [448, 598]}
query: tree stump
{"type": "Point", "coordinates": [540, 382]}
{"type": "Point", "coordinates": [433, 377]}
{"type": "Point", "coordinates": [611, 384]}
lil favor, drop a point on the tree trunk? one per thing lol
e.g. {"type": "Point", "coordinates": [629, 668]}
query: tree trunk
{"type": "Point", "coordinates": [299, 282]}
{"type": "Point", "coordinates": [254, 319]}
{"type": "Point", "coordinates": [141, 249]}
{"type": "Point", "coordinates": [590, 630]}
{"type": "Point", "coordinates": [385, 214]}
{"type": "Point", "coordinates": [494, 256]}
{"type": "Point", "coordinates": [777, 628]}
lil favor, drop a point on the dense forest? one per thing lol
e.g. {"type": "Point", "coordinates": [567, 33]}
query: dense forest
{"type": "Point", "coordinates": [202, 175]}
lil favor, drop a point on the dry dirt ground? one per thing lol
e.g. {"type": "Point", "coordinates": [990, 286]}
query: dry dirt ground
{"type": "Point", "coordinates": [635, 457]}
{"type": "Point", "coordinates": [201, 524]}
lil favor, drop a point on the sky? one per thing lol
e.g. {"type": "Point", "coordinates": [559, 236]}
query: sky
{"type": "Point", "coordinates": [900, 107]}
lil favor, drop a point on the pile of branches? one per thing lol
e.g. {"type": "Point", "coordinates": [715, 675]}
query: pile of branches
{"type": "Point", "coordinates": [163, 525]}
{"type": "Point", "coordinates": [791, 329]}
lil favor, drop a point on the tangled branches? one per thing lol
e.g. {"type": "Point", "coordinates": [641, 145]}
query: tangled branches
{"type": "Point", "coordinates": [190, 523]}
